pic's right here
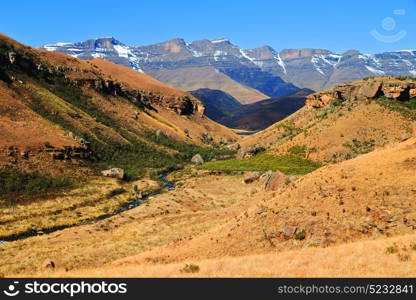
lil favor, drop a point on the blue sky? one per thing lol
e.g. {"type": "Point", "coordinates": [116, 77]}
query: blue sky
{"type": "Point", "coordinates": [334, 25]}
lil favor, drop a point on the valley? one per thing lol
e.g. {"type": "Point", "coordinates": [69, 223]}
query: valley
{"type": "Point", "coordinates": [106, 171]}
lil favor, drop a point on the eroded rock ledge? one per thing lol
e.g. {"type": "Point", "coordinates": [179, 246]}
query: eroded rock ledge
{"type": "Point", "coordinates": [389, 87]}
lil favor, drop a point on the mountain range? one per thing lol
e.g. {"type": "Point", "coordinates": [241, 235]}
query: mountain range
{"type": "Point", "coordinates": [249, 75]}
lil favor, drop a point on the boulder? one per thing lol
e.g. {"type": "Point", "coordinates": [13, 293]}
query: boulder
{"type": "Point", "coordinates": [197, 159]}
{"type": "Point", "coordinates": [48, 264]}
{"type": "Point", "coordinates": [245, 152]}
{"type": "Point", "coordinates": [288, 231]}
{"type": "Point", "coordinates": [250, 177]}
{"type": "Point", "coordinates": [161, 134]}
{"type": "Point", "coordinates": [206, 138]}
{"type": "Point", "coordinates": [136, 193]}
{"type": "Point", "coordinates": [114, 173]}
{"type": "Point", "coordinates": [275, 180]}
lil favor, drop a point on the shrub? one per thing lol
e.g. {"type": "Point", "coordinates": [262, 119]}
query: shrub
{"type": "Point", "coordinates": [301, 235]}
{"type": "Point", "coordinates": [47, 145]}
{"type": "Point", "coordinates": [404, 257]}
{"type": "Point", "coordinates": [392, 249]}
{"type": "Point", "coordinates": [116, 192]}
{"type": "Point", "coordinates": [190, 268]}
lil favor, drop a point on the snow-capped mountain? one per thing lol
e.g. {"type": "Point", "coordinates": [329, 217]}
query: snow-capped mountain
{"type": "Point", "coordinates": [106, 48]}
{"type": "Point", "coordinates": [247, 74]}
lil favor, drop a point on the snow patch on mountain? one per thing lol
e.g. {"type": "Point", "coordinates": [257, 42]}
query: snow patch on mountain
{"type": "Point", "coordinates": [217, 41]}
{"type": "Point", "coordinates": [375, 71]}
{"type": "Point", "coordinates": [317, 64]}
{"type": "Point", "coordinates": [253, 60]}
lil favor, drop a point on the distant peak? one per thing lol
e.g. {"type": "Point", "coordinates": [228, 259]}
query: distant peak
{"type": "Point", "coordinates": [352, 52]}
{"type": "Point", "coordinates": [221, 40]}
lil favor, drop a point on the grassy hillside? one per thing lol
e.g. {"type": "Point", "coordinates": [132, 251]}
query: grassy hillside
{"type": "Point", "coordinates": [340, 130]}
{"type": "Point", "coordinates": [61, 116]}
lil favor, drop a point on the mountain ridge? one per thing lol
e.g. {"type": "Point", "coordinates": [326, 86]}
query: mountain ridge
{"type": "Point", "coordinates": [271, 72]}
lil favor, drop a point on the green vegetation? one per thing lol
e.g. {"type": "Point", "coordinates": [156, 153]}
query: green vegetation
{"type": "Point", "coordinates": [190, 268]}
{"type": "Point", "coordinates": [360, 147]}
{"type": "Point", "coordinates": [298, 150]}
{"type": "Point", "coordinates": [289, 164]}
{"type": "Point", "coordinates": [406, 108]}
{"type": "Point", "coordinates": [13, 181]}
{"type": "Point", "coordinates": [392, 249]}
{"type": "Point", "coordinates": [134, 157]}
{"type": "Point", "coordinates": [301, 235]}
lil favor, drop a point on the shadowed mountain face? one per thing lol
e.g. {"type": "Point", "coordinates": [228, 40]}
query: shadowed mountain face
{"type": "Point", "coordinates": [218, 104]}
{"type": "Point", "coordinates": [248, 75]}
{"type": "Point", "coordinates": [224, 109]}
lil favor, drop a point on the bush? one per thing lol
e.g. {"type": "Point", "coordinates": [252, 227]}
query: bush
{"type": "Point", "coordinates": [392, 249]}
{"type": "Point", "coordinates": [116, 192]}
{"type": "Point", "coordinates": [190, 268]}
{"type": "Point", "coordinates": [301, 235]}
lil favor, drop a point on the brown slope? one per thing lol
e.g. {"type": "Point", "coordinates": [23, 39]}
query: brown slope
{"type": "Point", "coordinates": [371, 196]}
{"type": "Point", "coordinates": [98, 76]}
{"type": "Point", "coordinates": [335, 132]}
{"type": "Point", "coordinates": [50, 98]}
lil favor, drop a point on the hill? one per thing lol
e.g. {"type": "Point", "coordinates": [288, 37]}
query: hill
{"type": "Point", "coordinates": [345, 121]}
{"type": "Point", "coordinates": [218, 104]}
{"type": "Point", "coordinates": [262, 114]}
{"type": "Point", "coordinates": [58, 109]}
{"type": "Point", "coordinates": [369, 197]}
{"type": "Point", "coordinates": [222, 108]}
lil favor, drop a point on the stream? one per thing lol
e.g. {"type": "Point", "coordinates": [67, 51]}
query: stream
{"type": "Point", "coordinates": [168, 185]}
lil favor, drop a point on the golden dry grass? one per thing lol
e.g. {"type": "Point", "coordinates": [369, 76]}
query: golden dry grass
{"type": "Point", "coordinates": [202, 203]}
{"type": "Point", "coordinates": [371, 196]}
{"type": "Point", "coordinates": [67, 208]}
{"type": "Point", "coordinates": [368, 258]}
{"type": "Point", "coordinates": [326, 131]}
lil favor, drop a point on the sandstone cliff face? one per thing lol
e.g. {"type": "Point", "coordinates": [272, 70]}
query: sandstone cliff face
{"type": "Point", "coordinates": [389, 87]}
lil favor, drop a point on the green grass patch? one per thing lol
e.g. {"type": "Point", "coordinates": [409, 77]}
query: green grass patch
{"type": "Point", "coordinates": [360, 147]}
{"type": "Point", "coordinates": [299, 150]}
{"type": "Point", "coordinates": [288, 164]}
{"type": "Point", "coordinates": [13, 182]}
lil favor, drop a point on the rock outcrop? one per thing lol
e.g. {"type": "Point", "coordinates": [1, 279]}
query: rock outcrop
{"type": "Point", "coordinates": [114, 173]}
{"type": "Point", "coordinates": [250, 177]}
{"type": "Point", "coordinates": [197, 159]}
{"type": "Point", "coordinates": [275, 180]}
{"type": "Point", "coordinates": [389, 87]}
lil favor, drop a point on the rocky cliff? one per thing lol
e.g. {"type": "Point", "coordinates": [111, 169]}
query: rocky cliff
{"type": "Point", "coordinates": [402, 89]}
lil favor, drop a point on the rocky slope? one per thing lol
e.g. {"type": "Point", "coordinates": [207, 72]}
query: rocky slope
{"type": "Point", "coordinates": [53, 103]}
{"type": "Point", "coordinates": [345, 121]}
{"type": "Point", "coordinates": [269, 71]}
